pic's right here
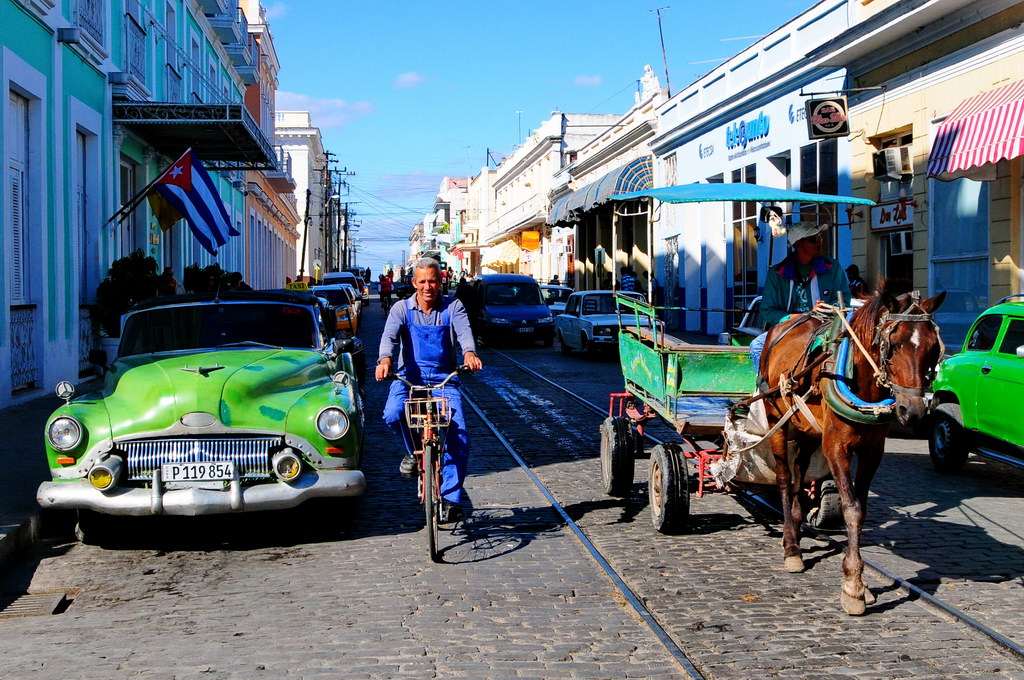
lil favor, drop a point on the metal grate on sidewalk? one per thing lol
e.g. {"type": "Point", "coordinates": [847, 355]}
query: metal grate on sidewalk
{"type": "Point", "coordinates": [32, 604]}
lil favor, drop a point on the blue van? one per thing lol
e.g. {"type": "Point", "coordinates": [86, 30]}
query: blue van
{"type": "Point", "coordinates": [510, 306]}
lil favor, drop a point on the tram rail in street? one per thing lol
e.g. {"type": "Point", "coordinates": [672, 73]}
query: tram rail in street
{"type": "Point", "coordinates": [936, 605]}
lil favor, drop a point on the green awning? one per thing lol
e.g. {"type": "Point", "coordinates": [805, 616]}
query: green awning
{"type": "Point", "coordinates": [702, 192]}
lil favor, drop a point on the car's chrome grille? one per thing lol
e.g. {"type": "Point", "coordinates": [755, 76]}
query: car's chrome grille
{"type": "Point", "coordinates": [251, 455]}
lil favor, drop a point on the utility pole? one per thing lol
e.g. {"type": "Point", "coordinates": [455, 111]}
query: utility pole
{"type": "Point", "coordinates": [664, 56]}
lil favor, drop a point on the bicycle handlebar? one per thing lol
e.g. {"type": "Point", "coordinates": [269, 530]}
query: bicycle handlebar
{"type": "Point", "coordinates": [461, 370]}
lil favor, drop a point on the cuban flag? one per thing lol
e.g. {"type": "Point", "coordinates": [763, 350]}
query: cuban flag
{"type": "Point", "coordinates": [186, 191]}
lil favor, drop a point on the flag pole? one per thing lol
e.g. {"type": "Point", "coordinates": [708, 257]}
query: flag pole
{"type": "Point", "coordinates": [125, 210]}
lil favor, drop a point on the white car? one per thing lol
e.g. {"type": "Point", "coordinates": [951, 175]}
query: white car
{"type": "Point", "coordinates": [555, 297]}
{"type": "Point", "coordinates": [590, 321]}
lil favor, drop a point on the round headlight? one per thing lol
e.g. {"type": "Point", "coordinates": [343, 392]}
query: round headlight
{"type": "Point", "coordinates": [332, 423]}
{"type": "Point", "coordinates": [64, 433]}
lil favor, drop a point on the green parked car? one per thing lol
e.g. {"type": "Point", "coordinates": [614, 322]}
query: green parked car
{"type": "Point", "coordinates": [978, 392]}
{"type": "Point", "coordinates": [237, 402]}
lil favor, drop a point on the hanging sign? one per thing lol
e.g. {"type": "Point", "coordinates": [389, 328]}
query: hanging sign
{"type": "Point", "coordinates": [827, 118]}
{"type": "Point", "coordinates": [531, 240]}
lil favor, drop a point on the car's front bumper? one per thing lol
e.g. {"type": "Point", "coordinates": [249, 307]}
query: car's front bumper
{"type": "Point", "coordinates": [157, 500]}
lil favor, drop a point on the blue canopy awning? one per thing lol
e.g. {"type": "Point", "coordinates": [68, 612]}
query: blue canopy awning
{"type": "Point", "coordinates": [705, 192]}
{"type": "Point", "coordinates": [632, 177]}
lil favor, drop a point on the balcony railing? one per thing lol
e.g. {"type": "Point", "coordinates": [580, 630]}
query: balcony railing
{"type": "Point", "coordinates": [89, 16]}
{"type": "Point", "coordinates": [135, 50]}
{"type": "Point", "coordinates": [231, 27]}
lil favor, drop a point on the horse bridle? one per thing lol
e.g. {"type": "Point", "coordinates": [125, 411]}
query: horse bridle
{"type": "Point", "coordinates": [883, 339]}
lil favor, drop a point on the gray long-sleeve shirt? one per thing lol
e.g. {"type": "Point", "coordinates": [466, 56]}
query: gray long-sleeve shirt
{"type": "Point", "coordinates": [390, 339]}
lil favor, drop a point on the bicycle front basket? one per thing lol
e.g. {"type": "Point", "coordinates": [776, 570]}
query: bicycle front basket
{"type": "Point", "coordinates": [426, 412]}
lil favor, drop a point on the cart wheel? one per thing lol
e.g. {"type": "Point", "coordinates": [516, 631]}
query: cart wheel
{"type": "Point", "coordinates": [829, 513]}
{"type": "Point", "coordinates": [616, 456]}
{"type": "Point", "coordinates": [668, 489]}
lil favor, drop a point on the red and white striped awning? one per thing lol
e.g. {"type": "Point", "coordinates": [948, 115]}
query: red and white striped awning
{"type": "Point", "coordinates": [983, 130]}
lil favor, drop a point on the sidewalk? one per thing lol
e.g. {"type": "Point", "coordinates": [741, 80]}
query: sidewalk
{"type": "Point", "coordinates": [23, 464]}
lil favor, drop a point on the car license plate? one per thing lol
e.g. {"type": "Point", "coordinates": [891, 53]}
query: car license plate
{"type": "Point", "coordinates": [524, 329]}
{"type": "Point", "coordinates": [198, 472]}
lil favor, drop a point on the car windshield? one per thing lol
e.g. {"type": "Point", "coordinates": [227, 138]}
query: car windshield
{"type": "Point", "coordinates": [552, 295]}
{"type": "Point", "coordinates": [601, 304]}
{"type": "Point", "coordinates": [167, 329]}
{"type": "Point", "coordinates": [513, 294]}
{"type": "Point", "coordinates": [336, 296]}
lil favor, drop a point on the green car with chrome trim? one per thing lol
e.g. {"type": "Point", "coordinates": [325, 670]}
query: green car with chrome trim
{"type": "Point", "coordinates": [977, 392]}
{"type": "Point", "coordinates": [232, 402]}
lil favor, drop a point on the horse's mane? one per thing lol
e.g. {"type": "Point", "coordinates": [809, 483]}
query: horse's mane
{"type": "Point", "coordinates": [865, 318]}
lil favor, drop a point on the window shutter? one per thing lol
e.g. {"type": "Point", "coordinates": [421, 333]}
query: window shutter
{"type": "Point", "coordinates": [16, 196]}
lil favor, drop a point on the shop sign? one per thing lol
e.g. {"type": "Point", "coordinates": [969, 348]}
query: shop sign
{"type": "Point", "coordinates": [531, 240]}
{"type": "Point", "coordinates": [892, 215]}
{"type": "Point", "coordinates": [741, 133]}
{"type": "Point", "coordinates": [827, 118]}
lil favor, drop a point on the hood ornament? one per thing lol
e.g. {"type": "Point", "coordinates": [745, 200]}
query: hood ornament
{"type": "Point", "coordinates": [202, 370]}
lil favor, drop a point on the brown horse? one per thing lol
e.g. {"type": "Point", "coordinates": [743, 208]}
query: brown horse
{"type": "Point", "coordinates": [902, 339]}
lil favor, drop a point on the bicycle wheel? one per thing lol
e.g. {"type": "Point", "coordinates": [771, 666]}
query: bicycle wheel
{"type": "Point", "coordinates": [431, 501]}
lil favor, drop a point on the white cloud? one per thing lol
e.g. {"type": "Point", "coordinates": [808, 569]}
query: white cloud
{"type": "Point", "coordinates": [276, 10]}
{"type": "Point", "coordinates": [587, 81]}
{"type": "Point", "coordinates": [326, 113]}
{"type": "Point", "coordinates": [408, 79]}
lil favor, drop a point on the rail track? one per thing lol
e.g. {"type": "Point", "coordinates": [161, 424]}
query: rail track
{"type": "Point", "coordinates": [756, 505]}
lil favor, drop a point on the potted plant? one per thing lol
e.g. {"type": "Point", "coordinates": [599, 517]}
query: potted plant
{"type": "Point", "coordinates": [204, 279]}
{"type": "Point", "coordinates": [130, 279]}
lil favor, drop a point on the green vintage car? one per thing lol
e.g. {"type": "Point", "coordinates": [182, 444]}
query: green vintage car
{"type": "Point", "coordinates": [978, 392]}
{"type": "Point", "coordinates": [222, 403]}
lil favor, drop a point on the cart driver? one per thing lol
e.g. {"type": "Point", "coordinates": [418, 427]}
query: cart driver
{"type": "Point", "coordinates": [419, 337]}
{"type": "Point", "coordinates": [800, 282]}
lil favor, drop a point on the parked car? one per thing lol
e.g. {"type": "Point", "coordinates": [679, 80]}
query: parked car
{"type": "Point", "coordinates": [332, 278]}
{"type": "Point", "coordinates": [357, 299]}
{"type": "Point", "coordinates": [403, 289]}
{"type": "Point", "coordinates": [339, 299]}
{"type": "Point", "coordinates": [511, 306]}
{"type": "Point", "coordinates": [977, 392]}
{"type": "Point", "coordinates": [591, 321]}
{"type": "Point", "coordinates": [555, 297]}
{"type": "Point", "coordinates": [239, 401]}
{"type": "Point", "coordinates": [362, 289]}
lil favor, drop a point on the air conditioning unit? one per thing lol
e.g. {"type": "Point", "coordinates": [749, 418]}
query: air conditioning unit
{"type": "Point", "coordinates": [901, 242]}
{"type": "Point", "coordinates": [892, 163]}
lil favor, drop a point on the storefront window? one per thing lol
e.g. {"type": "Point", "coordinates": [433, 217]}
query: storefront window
{"type": "Point", "coordinates": [819, 174]}
{"type": "Point", "coordinates": [959, 254]}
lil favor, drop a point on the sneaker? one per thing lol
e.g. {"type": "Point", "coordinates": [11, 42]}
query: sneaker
{"type": "Point", "coordinates": [450, 512]}
{"type": "Point", "coordinates": [407, 468]}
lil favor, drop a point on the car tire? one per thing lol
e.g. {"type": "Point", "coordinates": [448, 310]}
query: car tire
{"type": "Point", "coordinates": [92, 528]}
{"type": "Point", "coordinates": [617, 456]}
{"type": "Point", "coordinates": [947, 444]}
{"type": "Point", "coordinates": [565, 349]}
{"type": "Point", "coordinates": [585, 347]}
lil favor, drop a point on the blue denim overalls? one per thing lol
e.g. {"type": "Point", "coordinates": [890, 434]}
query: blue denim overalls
{"type": "Point", "coordinates": [428, 356]}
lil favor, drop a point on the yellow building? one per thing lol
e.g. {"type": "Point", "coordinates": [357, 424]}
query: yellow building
{"type": "Point", "coordinates": [936, 118]}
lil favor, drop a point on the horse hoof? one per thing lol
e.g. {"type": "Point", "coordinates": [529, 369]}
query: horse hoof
{"type": "Point", "coordinates": [851, 605]}
{"type": "Point", "coordinates": [794, 564]}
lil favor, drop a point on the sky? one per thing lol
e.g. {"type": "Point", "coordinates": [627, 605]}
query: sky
{"type": "Point", "coordinates": [407, 92]}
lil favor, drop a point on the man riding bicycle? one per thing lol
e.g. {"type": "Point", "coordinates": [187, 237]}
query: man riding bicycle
{"type": "Point", "coordinates": [419, 337]}
{"type": "Point", "coordinates": [385, 291]}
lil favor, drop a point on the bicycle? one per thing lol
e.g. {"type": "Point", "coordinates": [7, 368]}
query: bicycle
{"type": "Point", "coordinates": [429, 416]}
{"type": "Point", "coordinates": [385, 301]}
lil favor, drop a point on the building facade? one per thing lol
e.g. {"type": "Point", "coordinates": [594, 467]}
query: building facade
{"type": "Point", "coordinates": [302, 143]}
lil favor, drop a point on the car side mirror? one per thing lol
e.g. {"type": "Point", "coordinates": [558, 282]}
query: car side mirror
{"type": "Point", "coordinates": [342, 345]}
{"type": "Point", "coordinates": [1020, 352]}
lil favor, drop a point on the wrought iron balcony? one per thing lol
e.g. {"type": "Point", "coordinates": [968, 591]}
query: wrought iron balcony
{"type": "Point", "coordinates": [230, 27]}
{"type": "Point", "coordinates": [281, 178]}
{"type": "Point", "coordinates": [89, 16]}
{"type": "Point", "coordinates": [213, 7]}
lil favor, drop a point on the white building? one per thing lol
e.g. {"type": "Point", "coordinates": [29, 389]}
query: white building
{"type": "Point", "coordinates": [301, 140]}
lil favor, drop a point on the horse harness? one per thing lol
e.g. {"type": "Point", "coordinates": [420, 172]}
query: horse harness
{"type": "Point", "coordinates": [829, 334]}
{"type": "Point", "coordinates": [883, 339]}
